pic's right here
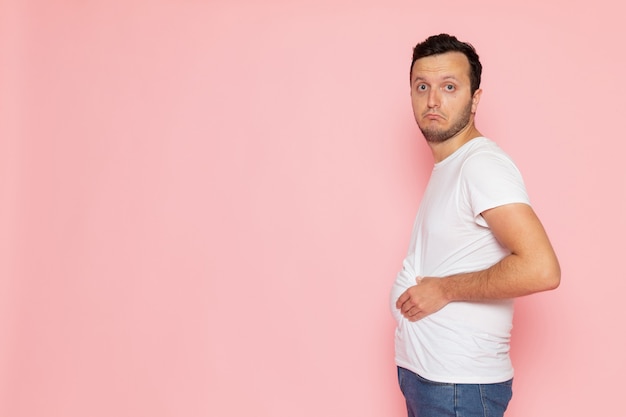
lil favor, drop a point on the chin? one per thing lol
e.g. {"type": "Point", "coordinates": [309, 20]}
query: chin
{"type": "Point", "coordinates": [434, 137]}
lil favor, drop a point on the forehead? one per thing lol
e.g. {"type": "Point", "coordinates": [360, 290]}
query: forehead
{"type": "Point", "coordinates": [447, 65]}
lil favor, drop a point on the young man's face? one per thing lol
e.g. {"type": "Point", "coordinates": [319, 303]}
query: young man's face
{"type": "Point", "coordinates": [441, 95]}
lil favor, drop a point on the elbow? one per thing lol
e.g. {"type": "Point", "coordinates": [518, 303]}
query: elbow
{"type": "Point", "coordinates": [553, 282]}
{"type": "Point", "coordinates": [551, 276]}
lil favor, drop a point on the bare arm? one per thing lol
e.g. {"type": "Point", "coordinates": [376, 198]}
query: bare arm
{"type": "Point", "coordinates": [531, 267]}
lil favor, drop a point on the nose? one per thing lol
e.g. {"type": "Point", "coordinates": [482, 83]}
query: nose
{"type": "Point", "coordinates": [434, 100]}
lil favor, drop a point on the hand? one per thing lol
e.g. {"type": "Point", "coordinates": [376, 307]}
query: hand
{"type": "Point", "coordinates": [422, 299]}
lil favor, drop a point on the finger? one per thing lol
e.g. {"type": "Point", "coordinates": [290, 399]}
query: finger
{"type": "Point", "coordinates": [410, 312]}
{"type": "Point", "coordinates": [415, 315]}
{"type": "Point", "coordinates": [401, 300]}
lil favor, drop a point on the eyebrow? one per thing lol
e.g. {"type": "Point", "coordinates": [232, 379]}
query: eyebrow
{"type": "Point", "coordinates": [444, 78]}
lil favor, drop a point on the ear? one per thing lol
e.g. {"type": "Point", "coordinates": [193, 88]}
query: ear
{"type": "Point", "coordinates": [476, 99]}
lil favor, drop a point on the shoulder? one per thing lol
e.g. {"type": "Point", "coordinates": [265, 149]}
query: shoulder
{"type": "Point", "coordinates": [490, 178]}
{"type": "Point", "coordinates": [485, 155]}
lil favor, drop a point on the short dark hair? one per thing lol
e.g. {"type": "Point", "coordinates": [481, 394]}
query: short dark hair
{"type": "Point", "coordinates": [442, 43]}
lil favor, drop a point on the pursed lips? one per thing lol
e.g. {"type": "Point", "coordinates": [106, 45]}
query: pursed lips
{"type": "Point", "coordinates": [433, 116]}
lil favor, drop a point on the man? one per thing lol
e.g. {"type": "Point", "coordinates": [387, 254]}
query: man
{"type": "Point", "coordinates": [476, 245]}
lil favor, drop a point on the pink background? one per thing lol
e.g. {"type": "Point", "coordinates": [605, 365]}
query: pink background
{"type": "Point", "coordinates": [204, 203]}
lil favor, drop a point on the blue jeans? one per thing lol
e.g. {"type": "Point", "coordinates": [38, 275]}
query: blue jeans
{"type": "Point", "coordinates": [426, 398]}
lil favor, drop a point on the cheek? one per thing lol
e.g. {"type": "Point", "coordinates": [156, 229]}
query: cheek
{"type": "Point", "coordinates": [448, 100]}
{"type": "Point", "coordinates": [416, 103]}
{"type": "Point", "coordinates": [454, 104]}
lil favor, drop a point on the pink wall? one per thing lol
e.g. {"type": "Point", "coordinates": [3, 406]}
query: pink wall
{"type": "Point", "coordinates": [204, 203]}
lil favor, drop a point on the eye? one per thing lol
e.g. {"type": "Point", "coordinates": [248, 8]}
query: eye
{"type": "Point", "coordinates": [421, 87]}
{"type": "Point", "coordinates": [449, 87]}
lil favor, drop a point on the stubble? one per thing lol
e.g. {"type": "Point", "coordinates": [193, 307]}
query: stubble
{"type": "Point", "coordinates": [435, 135]}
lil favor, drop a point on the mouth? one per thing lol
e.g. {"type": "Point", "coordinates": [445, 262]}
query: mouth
{"type": "Point", "coordinates": [433, 116]}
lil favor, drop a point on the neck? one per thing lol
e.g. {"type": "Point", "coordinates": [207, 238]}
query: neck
{"type": "Point", "coordinates": [442, 150]}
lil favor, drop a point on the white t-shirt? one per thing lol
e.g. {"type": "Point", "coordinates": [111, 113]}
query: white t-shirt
{"type": "Point", "coordinates": [465, 342]}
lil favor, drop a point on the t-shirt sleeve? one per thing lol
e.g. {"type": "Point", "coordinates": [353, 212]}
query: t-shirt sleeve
{"type": "Point", "coordinates": [492, 180]}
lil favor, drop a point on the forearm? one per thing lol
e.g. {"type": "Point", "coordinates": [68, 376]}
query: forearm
{"type": "Point", "coordinates": [514, 276]}
{"type": "Point", "coordinates": [531, 267]}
